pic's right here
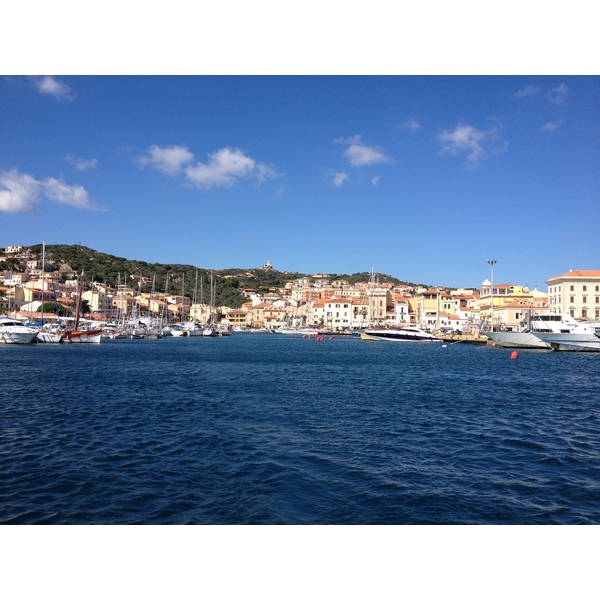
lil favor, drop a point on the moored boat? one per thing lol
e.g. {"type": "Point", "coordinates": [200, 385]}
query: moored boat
{"type": "Point", "coordinates": [527, 338]}
{"type": "Point", "coordinates": [402, 334]}
{"type": "Point", "coordinates": [13, 331]}
{"type": "Point", "coordinates": [79, 336]}
{"type": "Point", "coordinates": [583, 338]}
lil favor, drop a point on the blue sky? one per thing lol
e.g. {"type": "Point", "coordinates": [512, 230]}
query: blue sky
{"type": "Point", "coordinates": [422, 177]}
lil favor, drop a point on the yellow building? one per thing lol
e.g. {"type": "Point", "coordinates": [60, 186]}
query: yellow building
{"type": "Point", "coordinates": [505, 304]}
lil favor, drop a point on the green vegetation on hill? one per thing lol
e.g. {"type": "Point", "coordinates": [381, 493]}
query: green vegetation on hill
{"type": "Point", "coordinates": [229, 283]}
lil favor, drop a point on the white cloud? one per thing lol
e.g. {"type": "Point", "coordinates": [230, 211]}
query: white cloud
{"type": "Point", "coordinates": [559, 94]}
{"type": "Point", "coordinates": [530, 90]}
{"type": "Point", "coordinates": [339, 178]}
{"type": "Point", "coordinates": [360, 155]}
{"type": "Point", "coordinates": [411, 124]}
{"type": "Point", "coordinates": [169, 160]}
{"type": "Point", "coordinates": [51, 86]}
{"type": "Point", "coordinates": [551, 126]}
{"type": "Point", "coordinates": [18, 192]}
{"type": "Point", "coordinates": [225, 167]}
{"type": "Point", "coordinates": [73, 195]}
{"type": "Point", "coordinates": [477, 143]}
{"type": "Point", "coordinates": [82, 164]}
{"type": "Point", "coordinates": [375, 180]}
{"type": "Point", "coordinates": [264, 172]}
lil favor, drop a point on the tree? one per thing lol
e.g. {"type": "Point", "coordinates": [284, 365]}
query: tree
{"type": "Point", "coordinates": [53, 307]}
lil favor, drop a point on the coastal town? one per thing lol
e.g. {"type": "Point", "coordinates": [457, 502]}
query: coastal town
{"type": "Point", "coordinates": [334, 306]}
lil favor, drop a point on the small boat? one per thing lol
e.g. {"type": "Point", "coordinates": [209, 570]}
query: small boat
{"type": "Point", "coordinates": [402, 334]}
{"type": "Point", "coordinates": [13, 331]}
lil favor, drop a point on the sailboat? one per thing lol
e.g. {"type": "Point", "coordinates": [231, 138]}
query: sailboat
{"type": "Point", "coordinates": [43, 335]}
{"type": "Point", "coordinates": [179, 330]}
{"type": "Point", "coordinates": [210, 330]}
{"type": "Point", "coordinates": [192, 327]}
{"type": "Point", "coordinates": [76, 335]}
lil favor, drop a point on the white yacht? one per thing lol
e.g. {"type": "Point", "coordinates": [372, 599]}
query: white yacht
{"type": "Point", "coordinates": [526, 338]}
{"type": "Point", "coordinates": [15, 332]}
{"type": "Point", "coordinates": [402, 334]}
{"type": "Point", "coordinates": [535, 323]}
{"type": "Point", "coordinates": [585, 337]}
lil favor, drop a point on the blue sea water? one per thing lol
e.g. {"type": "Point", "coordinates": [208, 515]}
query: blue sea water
{"type": "Point", "coordinates": [279, 429]}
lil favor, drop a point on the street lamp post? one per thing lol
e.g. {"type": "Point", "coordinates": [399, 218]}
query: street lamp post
{"type": "Point", "coordinates": [492, 263]}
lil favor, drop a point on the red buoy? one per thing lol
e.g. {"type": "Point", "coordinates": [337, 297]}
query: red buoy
{"type": "Point", "coordinates": [514, 355]}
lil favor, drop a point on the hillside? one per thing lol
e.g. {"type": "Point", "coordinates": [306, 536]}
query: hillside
{"type": "Point", "coordinates": [229, 283]}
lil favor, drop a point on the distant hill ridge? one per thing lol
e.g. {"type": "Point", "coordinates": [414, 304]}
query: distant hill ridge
{"type": "Point", "coordinates": [110, 269]}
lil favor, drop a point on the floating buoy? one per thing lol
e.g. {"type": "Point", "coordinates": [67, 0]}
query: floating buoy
{"type": "Point", "coordinates": [444, 345]}
{"type": "Point", "coordinates": [330, 338]}
{"type": "Point", "coordinates": [514, 355]}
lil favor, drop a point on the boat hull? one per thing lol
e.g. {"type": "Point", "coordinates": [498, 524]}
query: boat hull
{"type": "Point", "coordinates": [14, 332]}
{"type": "Point", "coordinates": [17, 337]}
{"type": "Point", "coordinates": [83, 337]}
{"type": "Point", "coordinates": [46, 337]}
{"type": "Point", "coordinates": [571, 342]}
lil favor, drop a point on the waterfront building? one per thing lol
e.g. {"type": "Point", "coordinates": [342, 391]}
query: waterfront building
{"type": "Point", "coordinates": [401, 312]}
{"type": "Point", "coordinates": [236, 317]}
{"type": "Point", "coordinates": [500, 305]}
{"type": "Point", "coordinates": [576, 293]}
{"type": "Point", "coordinates": [427, 308]}
{"type": "Point", "coordinates": [511, 315]}
{"type": "Point", "coordinates": [338, 313]}
{"type": "Point", "coordinates": [317, 312]}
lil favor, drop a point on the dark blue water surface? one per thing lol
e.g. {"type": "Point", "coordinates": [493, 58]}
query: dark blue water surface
{"type": "Point", "coordinates": [278, 429]}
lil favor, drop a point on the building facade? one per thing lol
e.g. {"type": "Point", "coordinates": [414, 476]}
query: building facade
{"type": "Point", "coordinates": [576, 293]}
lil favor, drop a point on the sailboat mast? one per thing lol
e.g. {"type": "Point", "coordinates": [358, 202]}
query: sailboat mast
{"type": "Point", "coordinates": [195, 297]}
{"type": "Point", "coordinates": [182, 294]}
{"type": "Point", "coordinates": [43, 276]}
{"type": "Point", "coordinates": [78, 305]}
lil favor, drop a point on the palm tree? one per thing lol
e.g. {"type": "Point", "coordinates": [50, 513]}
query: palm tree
{"type": "Point", "coordinates": [85, 307]}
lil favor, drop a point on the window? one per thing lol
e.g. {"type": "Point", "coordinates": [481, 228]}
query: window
{"type": "Point", "coordinates": [584, 299]}
{"type": "Point", "coordinates": [572, 288]}
{"type": "Point", "coordinates": [597, 299]}
{"type": "Point", "coordinates": [572, 299]}
{"type": "Point", "coordinates": [584, 313]}
{"type": "Point", "coordinates": [585, 288]}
